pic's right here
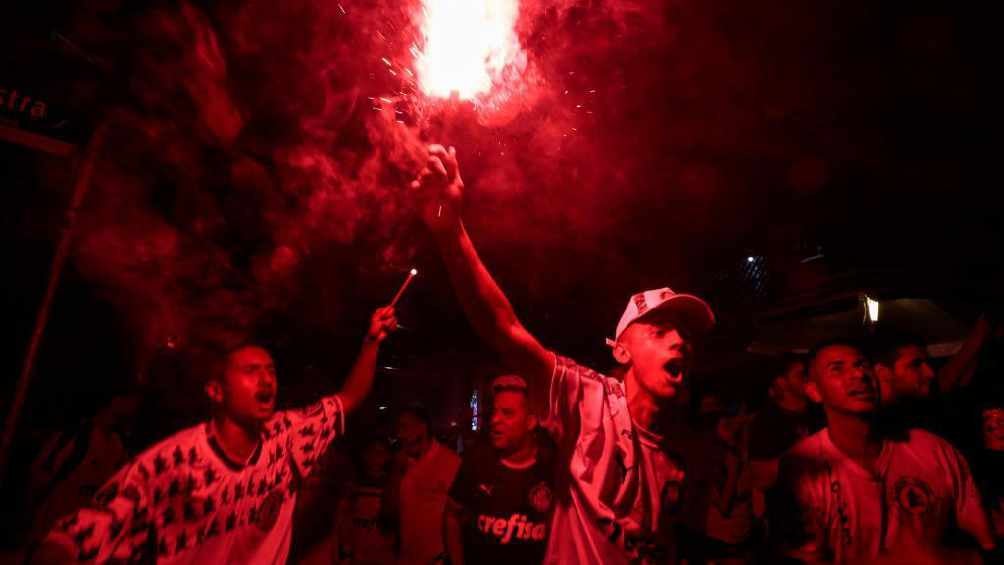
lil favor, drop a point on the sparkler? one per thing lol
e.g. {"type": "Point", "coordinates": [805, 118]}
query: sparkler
{"type": "Point", "coordinates": [407, 281]}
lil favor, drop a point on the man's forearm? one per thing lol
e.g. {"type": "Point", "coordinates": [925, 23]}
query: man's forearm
{"type": "Point", "coordinates": [958, 371]}
{"type": "Point", "coordinates": [360, 380]}
{"type": "Point", "coordinates": [486, 305]}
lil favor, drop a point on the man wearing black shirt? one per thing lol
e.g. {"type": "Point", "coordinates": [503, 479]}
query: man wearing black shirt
{"type": "Point", "coordinates": [500, 503]}
{"type": "Point", "coordinates": [787, 418]}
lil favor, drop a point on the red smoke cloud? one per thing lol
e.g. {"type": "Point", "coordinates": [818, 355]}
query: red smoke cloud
{"type": "Point", "coordinates": [256, 137]}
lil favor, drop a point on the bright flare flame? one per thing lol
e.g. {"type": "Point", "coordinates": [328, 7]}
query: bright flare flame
{"type": "Point", "coordinates": [468, 43]}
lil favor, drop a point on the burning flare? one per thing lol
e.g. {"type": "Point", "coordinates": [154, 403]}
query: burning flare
{"type": "Point", "coordinates": [468, 44]}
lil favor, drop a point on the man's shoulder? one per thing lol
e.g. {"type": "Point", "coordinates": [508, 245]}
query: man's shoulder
{"type": "Point", "coordinates": [445, 455]}
{"type": "Point", "coordinates": [567, 364]}
{"type": "Point", "coordinates": [809, 448]}
{"type": "Point", "coordinates": [925, 443]}
{"type": "Point", "coordinates": [175, 452]}
{"type": "Point", "coordinates": [925, 437]}
{"type": "Point", "coordinates": [176, 444]}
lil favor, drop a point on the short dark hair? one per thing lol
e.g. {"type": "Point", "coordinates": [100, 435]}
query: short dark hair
{"type": "Point", "coordinates": [884, 348]}
{"type": "Point", "coordinates": [780, 365]}
{"type": "Point", "coordinates": [833, 342]}
{"type": "Point", "coordinates": [222, 353]}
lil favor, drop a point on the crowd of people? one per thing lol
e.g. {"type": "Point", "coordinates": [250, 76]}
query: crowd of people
{"type": "Point", "coordinates": [863, 453]}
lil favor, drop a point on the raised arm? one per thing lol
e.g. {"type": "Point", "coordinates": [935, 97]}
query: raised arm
{"type": "Point", "coordinates": [958, 371]}
{"type": "Point", "coordinates": [360, 380]}
{"type": "Point", "coordinates": [486, 306]}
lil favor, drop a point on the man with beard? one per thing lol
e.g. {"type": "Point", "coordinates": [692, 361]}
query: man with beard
{"type": "Point", "coordinates": [500, 502]}
{"type": "Point", "coordinates": [914, 394]}
{"type": "Point", "coordinates": [619, 484]}
{"type": "Point", "coordinates": [851, 494]}
{"type": "Point", "coordinates": [222, 491]}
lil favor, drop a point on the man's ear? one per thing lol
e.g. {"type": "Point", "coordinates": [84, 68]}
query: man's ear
{"type": "Point", "coordinates": [812, 391]}
{"type": "Point", "coordinates": [214, 390]}
{"type": "Point", "coordinates": [533, 421]}
{"type": "Point", "coordinates": [621, 353]}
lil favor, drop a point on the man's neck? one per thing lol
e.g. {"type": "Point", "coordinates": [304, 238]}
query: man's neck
{"type": "Point", "coordinates": [644, 409]}
{"type": "Point", "coordinates": [521, 456]}
{"type": "Point", "coordinates": [238, 441]}
{"type": "Point", "coordinates": [855, 435]}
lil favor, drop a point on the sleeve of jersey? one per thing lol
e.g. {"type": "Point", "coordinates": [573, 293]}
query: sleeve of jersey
{"type": "Point", "coordinates": [115, 527]}
{"type": "Point", "coordinates": [311, 430]}
{"type": "Point", "coordinates": [564, 399]}
{"type": "Point", "coordinates": [969, 512]}
{"type": "Point", "coordinates": [796, 521]}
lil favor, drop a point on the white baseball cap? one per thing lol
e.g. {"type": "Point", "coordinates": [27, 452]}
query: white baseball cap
{"type": "Point", "coordinates": [695, 314]}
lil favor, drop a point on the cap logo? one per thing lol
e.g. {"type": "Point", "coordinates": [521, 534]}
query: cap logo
{"type": "Point", "coordinates": [640, 303]}
{"type": "Point", "coordinates": [664, 295]}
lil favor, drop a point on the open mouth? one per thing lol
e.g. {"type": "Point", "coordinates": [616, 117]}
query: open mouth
{"type": "Point", "coordinates": [674, 369]}
{"type": "Point", "coordinates": [264, 396]}
{"type": "Point", "coordinates": [866, 393]}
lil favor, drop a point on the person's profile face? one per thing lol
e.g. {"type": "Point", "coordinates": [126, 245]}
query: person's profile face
{"type": "Point", "coordinates": [912, 372]}
{"type": "Point", "coordinates": [413, 434]}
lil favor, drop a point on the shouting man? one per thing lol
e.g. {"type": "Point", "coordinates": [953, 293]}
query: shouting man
{"type": "Point", "coordinates": [222, 491]}
{"type": "Point", "coordinates": [618, 481]}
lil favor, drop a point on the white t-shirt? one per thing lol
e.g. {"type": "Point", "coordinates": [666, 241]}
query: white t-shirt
{"type": "Point", "coordinates": [183, 501]}
{"type": "Point", "coordinates": [829, 507]}
{"type": "Point", "coordinates": [617, 487]}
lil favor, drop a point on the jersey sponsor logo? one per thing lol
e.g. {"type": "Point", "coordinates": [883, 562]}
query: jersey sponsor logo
{"type": "Point", "coordinates": [913, 495]}
{"type": "Point", "coordinates": [515, 527]}
{"type": "Point", "coordinates": [541, 497]}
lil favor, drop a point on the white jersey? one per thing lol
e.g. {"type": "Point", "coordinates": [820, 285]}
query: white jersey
{"type": "Point", "coordinates": [184, 501]}
{"type": "Point", "coordinates": [617, 486]}
{"type": "Point", "coordinates": [830, 508]}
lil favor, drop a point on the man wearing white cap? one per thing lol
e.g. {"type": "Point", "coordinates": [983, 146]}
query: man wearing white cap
{"type": "Point", "coordinates": [618, 485]}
